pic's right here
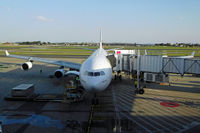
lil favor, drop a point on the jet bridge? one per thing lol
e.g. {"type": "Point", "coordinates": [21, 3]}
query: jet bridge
{"type": "Point", "coordinates": [159, 64]}
{"type": "Point", "coordinates": [131, 61]}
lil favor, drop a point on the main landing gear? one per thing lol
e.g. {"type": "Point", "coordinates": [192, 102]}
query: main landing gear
{"type": "Point", "coordinates": [139, 91]}
{"type": "Point", "coordinates": [95, 100]}
{"type": "Point", "coordinates": [118, 76]}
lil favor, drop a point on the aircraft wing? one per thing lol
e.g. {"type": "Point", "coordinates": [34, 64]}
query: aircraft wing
{"type": "Point", "coordinates": [55, 62]}
{"type": "Point", "coordinates": [88, 49]}
{"type": "Point", "coordinates": [105, 49]}
{"type": "Point", "coordinates": [114, 49]}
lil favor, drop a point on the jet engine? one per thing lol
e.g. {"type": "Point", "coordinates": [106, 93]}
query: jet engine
{"type": "Point", "coordinates": [72, 73]}
{"type": "Point", "coordinates": [59, 73]}
{"type": "Point", "coordinates": [26, 66]}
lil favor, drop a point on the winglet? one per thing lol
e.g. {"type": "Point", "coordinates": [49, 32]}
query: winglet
{"type": "Point", "coordinates": [100, 44]}
{"type": "Point", "coordinates": [7, 54]}
{"type": "Point", "coordinates": [145, 52]}
{"type": "Point", "coordinates": [193, 53]}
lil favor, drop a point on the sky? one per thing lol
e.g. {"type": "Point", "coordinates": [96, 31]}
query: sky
{"type": "Point", "coordinates": [129, 21]}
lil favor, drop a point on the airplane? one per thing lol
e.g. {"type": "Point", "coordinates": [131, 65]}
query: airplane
{"type": "Point", "coordinates": [185, 57]}
{"type": "Point", "coordinates": [145, 52]}
{"type": "Point", "coordinates": [95, 73]}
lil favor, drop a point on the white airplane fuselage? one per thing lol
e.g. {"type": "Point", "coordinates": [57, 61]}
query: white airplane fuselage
{"type": "Point", "coordinates": [96, 72]}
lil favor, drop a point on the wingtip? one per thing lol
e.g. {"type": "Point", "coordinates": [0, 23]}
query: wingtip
{"type": "Point", "coordinates": [193, 53]}
{"type": "Point", "coordinates": [145, 52]}
{"type": "Point", "coordinates": [7, 53]}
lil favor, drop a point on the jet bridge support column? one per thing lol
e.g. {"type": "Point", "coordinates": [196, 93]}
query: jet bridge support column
{"type": "Point", "coordinates": [138, 69]}
{"type": "Point", "coordinates": [138, 89]}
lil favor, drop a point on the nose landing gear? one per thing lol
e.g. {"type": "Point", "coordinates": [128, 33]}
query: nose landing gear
{"type": "Point", "coordinates": [95, 100]}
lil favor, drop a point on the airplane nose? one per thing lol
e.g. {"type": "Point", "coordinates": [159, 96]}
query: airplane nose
{"type": "Point", "coordinates": [94, 85]}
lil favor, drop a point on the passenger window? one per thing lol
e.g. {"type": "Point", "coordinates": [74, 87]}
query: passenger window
{"type": "Point", "coordinates": [102, 73]}
{"type": "Point", "coordinates": [97, 74]}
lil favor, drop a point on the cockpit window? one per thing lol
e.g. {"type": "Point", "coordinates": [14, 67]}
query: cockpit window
{"type": "Point", "coordinates": [90, 74]}
{"type": "Point", "coordinates": [94, 73]}
{"type": "Point", "coordinates": [102, 73]}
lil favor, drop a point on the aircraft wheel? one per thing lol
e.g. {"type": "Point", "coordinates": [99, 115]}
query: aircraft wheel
{"type": "Point", "coordinates": [120, 77]}
{"type": "Point", "coordinates": [115, 77]}
{"type": "Point", "coordinates": [141, 91]}
{"type": "Point", "coordinates": [93, 101]}
{"type": "Point", "coordinates": [96, 101]}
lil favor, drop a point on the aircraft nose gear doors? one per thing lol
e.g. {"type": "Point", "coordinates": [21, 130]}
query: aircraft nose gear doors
{"type": "Point", "coordinates": [95, 100]}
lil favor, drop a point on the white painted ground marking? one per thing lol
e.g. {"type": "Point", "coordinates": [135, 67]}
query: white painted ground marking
{"type": "Point", "coordinates": [116, 107]}
{"type": "Point", "coordinates": [191, 125]}
{"type": "Point", "coordinates": [154, 120]}
{"type": "Point", "coordinates": [141, 119]}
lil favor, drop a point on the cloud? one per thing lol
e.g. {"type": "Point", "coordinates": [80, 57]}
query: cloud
{"type": "Point", "coordinates": [44, 19]}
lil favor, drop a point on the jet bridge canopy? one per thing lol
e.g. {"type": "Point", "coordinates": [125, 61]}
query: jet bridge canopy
{"type": "Point", "coordinates": [156, 64]}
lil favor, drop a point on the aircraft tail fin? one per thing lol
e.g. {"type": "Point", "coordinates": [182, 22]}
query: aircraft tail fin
{"type": "Point", "coordinates": [193, 53]}
{"type": "Point", "coordinates": [100, 44]}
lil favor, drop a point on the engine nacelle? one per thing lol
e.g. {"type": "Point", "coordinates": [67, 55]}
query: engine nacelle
{"type": "Point", "coordinates": [72, 73]}
{"type": "Point", "coordinates": [59, 73]}
{"type": "Point", "coordinates": [26, 66]}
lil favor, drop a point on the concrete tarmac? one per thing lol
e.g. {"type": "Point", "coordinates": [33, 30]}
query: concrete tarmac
{"type": "Point", "coordinates": [163, 108]}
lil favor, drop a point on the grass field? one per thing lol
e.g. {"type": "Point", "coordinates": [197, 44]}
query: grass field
{"type": "Point", "coordinates": [74, 50]}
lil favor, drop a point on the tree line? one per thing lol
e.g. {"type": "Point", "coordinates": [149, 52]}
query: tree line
{"type": "Point", "coordinates": [105, 44]}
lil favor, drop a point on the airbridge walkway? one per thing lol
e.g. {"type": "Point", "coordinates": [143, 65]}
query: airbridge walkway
{"type": "Point", "coordinates": [131, 60]}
